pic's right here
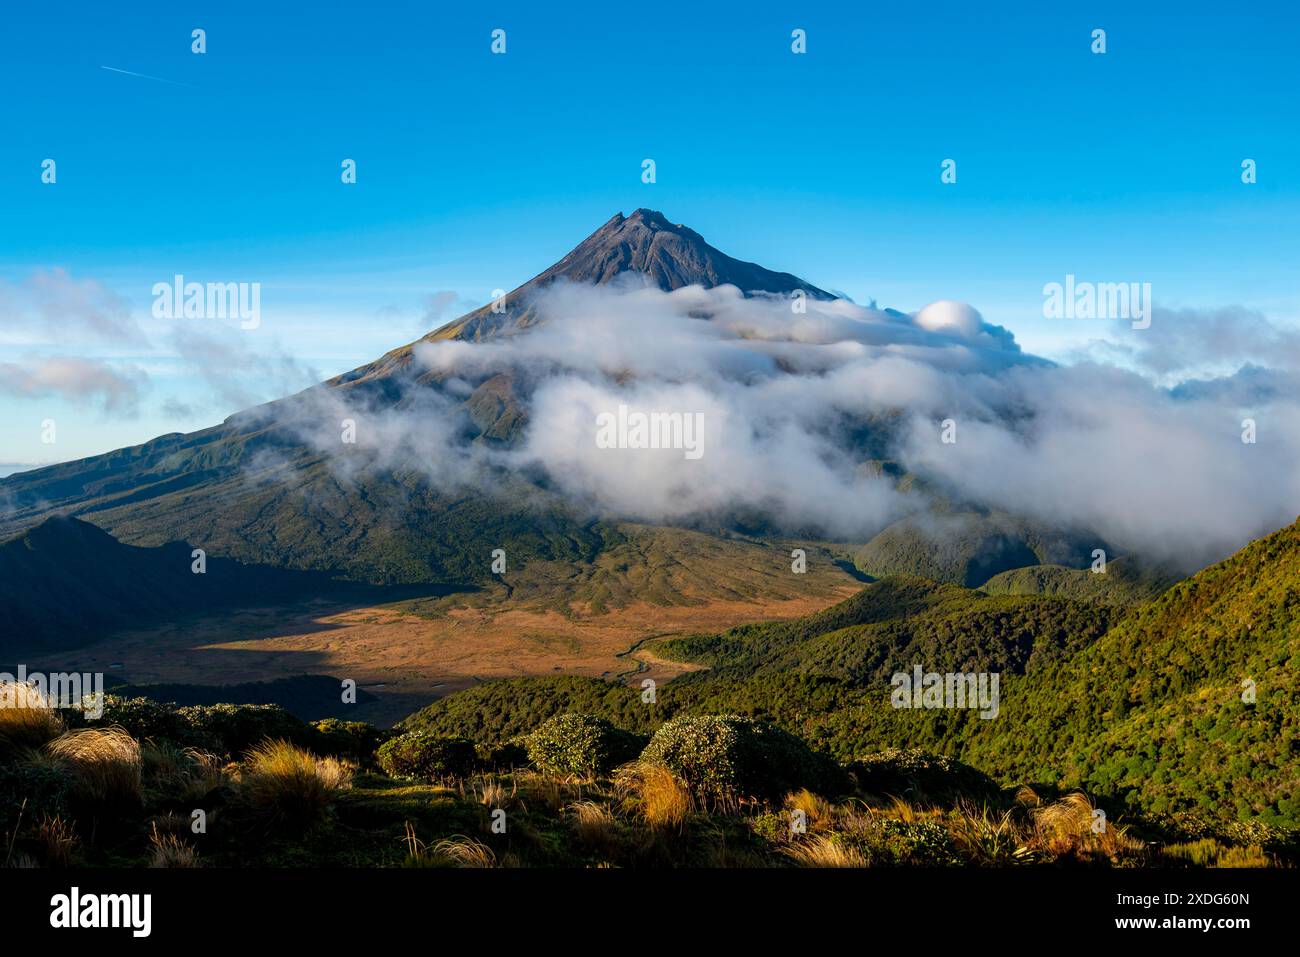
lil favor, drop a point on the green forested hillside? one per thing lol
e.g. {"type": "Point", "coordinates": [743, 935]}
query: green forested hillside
{"type": "Point", "coordinates": [898, 622]}
{"type": "Point", "coordinates": [1155, 709]}
{"type": "Point", "coordinates": [1125, 582]}
{"type": "Point", "coordinates": [968, 547]}
{"type": "Point", "coordinates": [1147, 714]}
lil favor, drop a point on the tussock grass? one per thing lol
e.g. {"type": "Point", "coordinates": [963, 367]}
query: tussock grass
{"type": "Point", "coordinates": [905, 811]}
{"type": "Point", "coordinates": [58, 842]}
{"type": "Point", "coordinates": [660, 798]}
{"type": "Point", "coordinates": [168, 850]}
{"type": "Point", "coordinates": [1027, 796]}
{"type": "Point", "coordinates": [1065, 828]}
{"type": "Point", "coordinates": [184, 773]}
{"type": "Point", "coordinates": [818, 812]}
{"type": "Point", "coordinates": [105, 764]}
{"type": "Point", "coordinates": [455, 851]}
{"type": "Point", "coordinates": [596, 828]}
{"type": "Point", "coordinates": [986, 837]}
{"type": "Point", "coordinates": [1065, 819]}
{"type": "Point", "coordinates": [27, 719]}
{"type": "Point", "coordinates": [289, 786]}
{"type": "Point", "coordinates": [1210, 852]}
{"type": "Point", "coordinates": [464, 851]}
{"type": "Point", "coordinates": [824, 850]}
{"type": "Point", "coordinates": [489, 792]}
{"type": "Point", "coordinates": [549, 791]}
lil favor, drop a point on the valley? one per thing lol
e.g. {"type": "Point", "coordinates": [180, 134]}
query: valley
{"type": "Point", "coordinates": [406, 646]}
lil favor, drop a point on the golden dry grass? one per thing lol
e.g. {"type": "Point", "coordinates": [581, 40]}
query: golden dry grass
{"type": "Point", "coordinates": [905, 811]}
{"type": "Point", "coordinates": [818, 813]}
{"type": "Point", "coordinates": [461, 851]}
{"type": "Point", "coordinates": [59, 844]}
{"type": "Point", "coordinates": [1071, 827]}
{"type": "Point", "coordinates": [1209, 852]}
{"type": "Point", "coordinates": [291, 786]}
{"type": "Point", "coordinates": [489, 792]}
{"type": "Point", "coordinates": [185, 773]}
{"type": "Point", "coordinates": [105, 764]}
{"type": "Point", "coordinates": [655, 794]}
{"type": "Point", "coordinates": [168, 850]}
{"type": "Point", "coordinates": [27, 719]}
{"type": "Point", "coordinates": [596, 828]}
{"type": "Point", "coordinates": [988, 837]}
{"type": "Point", "coordinates": [824, 850]}
{"type": "Point", "coordinates": [418, 653]}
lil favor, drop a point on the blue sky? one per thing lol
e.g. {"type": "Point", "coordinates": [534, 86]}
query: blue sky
{"type": "Point", "coordinates": [477, 171]}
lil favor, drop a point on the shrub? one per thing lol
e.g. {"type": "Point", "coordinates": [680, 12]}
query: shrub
{"type": "Point", "coordinates": [145, 718]}
{"type": "Point", "coordinates": [26, 718]}
{"type": "Point", "coordinates": [229, 729]}
{"type": "Point", "coordinates": [920, 776]}
{"type": "Point", "coordinates": [914, 839]}
{"type": "Point", "coordinates": [289, 786]}
{"type": "Point", "coordinates": [236, 729]}
{"type": "Point", "coordinates": [426, 756]}
{"type": "Point", "coordinates": [105, 764]}
{"type": "Point", "coordinates": [355, 740]}
{"type": "Point", "coordinates": [581, 744]}
{"type": "Point", "coordinates": [505, 756]}
{"type": "Point", "coordinates": [728, 759]}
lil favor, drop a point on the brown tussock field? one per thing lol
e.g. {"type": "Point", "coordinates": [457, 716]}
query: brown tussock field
{"type": "Point", "coordinates": [407, 656]}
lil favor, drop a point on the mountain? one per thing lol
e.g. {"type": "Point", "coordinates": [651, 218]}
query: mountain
{"type": "Point", "coordinates": [257, 491]}
{"type": "Point", "coordinates": [168, 487]}
{"type": "Point", "coordinates": [274, 486]}
{"type": "Point", "coordinates": [644, 245]}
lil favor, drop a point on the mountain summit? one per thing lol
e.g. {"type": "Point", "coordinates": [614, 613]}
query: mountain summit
{"type": "Point", "coordinates": [668, 255]}
{"type": "Point", "coordinates": [665, 255]}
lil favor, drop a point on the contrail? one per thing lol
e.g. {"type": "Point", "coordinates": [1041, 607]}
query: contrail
{"type": "Point", "coordinates": [144, 76]}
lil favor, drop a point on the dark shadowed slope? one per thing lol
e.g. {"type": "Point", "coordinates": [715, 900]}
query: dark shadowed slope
{"type": "Point", "coordinates": [66, 582]}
